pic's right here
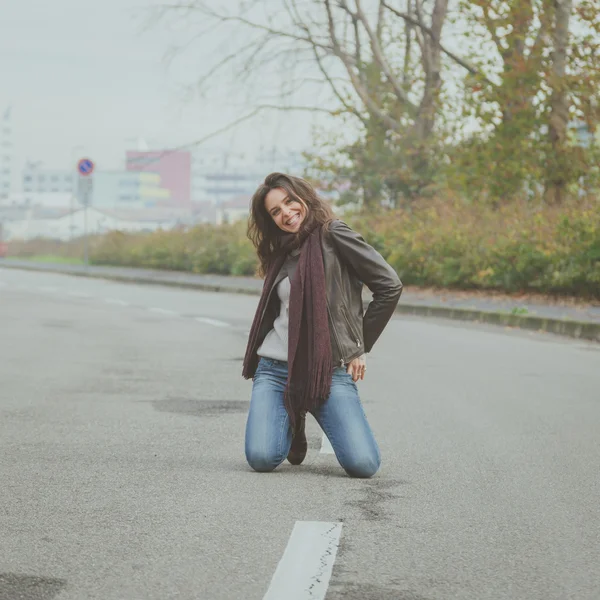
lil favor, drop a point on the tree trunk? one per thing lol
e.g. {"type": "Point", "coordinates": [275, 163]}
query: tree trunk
{"type": "Point", "coordinates": [559, 105]}
{"type": "Point", "coordinates": [432, 65]}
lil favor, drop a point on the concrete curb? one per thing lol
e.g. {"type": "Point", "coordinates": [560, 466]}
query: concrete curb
{"type": "Point", "coordinates": [565, 327]}
{"type": "Point", "coordinates": [205, 287]}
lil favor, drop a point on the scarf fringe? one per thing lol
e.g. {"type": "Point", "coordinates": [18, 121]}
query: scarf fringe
{"type": "Point", "coordinates": [312, 395]}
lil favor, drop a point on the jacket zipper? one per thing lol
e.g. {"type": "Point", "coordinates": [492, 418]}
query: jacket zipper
{"type": "Point", "coordinates": [337, 339]}
{"type": "Point", "coordinates": [350, 327]}
{"type": "Point", "coordinates": [335, 335]}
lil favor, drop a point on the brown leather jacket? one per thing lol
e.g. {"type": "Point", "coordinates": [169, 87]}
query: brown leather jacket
{"type": "Point", "coordinates": [349, 263]}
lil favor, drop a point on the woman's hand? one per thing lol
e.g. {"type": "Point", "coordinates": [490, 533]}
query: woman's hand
{"type": "Point", "coordinates": [357, 367]}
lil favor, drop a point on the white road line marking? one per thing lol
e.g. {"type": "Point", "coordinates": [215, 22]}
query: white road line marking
{"type": "Point", "coordinates": [78, 294]}
{"type": "Point", "coordinates": [116, 301]}
{"type": "Point", "coordinates": [326, 447]}
{"type": "Point", "coordinates": [304, 570]}
{"type": "Point", "coordinates": [214, 322]}
{"type": "Point", "coordinates": [163, 311]}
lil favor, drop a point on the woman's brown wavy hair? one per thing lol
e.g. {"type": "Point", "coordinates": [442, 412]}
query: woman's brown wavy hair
{"type": "Point", "coordinates": [267, 238]}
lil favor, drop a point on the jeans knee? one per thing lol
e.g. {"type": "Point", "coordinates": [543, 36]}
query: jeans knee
{"type": "Point", "coordinates": [362, 467]}
{"type": "Point", "coordinates": [261, 461]}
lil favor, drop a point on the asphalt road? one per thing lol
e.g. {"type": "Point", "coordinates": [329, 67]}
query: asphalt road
{"type": "Point", "coordinates": [122, 475]}
{"type": "Point", "coordinates": [587, 312]}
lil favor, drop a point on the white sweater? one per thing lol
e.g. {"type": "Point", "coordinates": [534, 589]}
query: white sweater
{"type": "Point", "coordinates": [275, 344]}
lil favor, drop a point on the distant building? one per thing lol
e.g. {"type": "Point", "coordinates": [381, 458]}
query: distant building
{"type": "Point", "coordinates": [6, 153]}
{"type": "Point", "coordinates": [128, 190]}
{"type": "Point", "coordinates": [173, 167]}
{"type": "Point", "coordinates": [37, 180]}
{"type": "Point", "coordinates": [111, 189]}
{"type": "Point", "coordinates": [220, 176]}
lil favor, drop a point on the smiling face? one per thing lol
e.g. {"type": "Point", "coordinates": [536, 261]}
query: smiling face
{"type": "Point", "coordinates": [287, 212]}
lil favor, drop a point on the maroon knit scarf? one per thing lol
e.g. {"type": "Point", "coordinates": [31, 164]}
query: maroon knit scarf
{"type": "Point", "coordinates": [310, 362]}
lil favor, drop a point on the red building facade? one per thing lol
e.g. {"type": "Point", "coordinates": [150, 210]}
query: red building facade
{"type": "Point", "coordinates": [174, 168]}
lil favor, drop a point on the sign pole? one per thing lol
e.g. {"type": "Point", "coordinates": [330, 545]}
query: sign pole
{"type": "Point", "coordinates": [85, 168]}
{"type": "Point", "coordinates": [85, 237]}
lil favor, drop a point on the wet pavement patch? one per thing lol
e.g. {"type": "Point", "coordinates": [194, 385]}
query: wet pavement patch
{"type": "Point", "coordinates": [133, 374]}
{"type": "Point", "coordinates": [201, 408]}
{"type": "Point", "coordinates": [363, 591]}
{"type": "Point", "coordinates": [375, 494]}
{"type": "Point", "coordinates": [27, 587]}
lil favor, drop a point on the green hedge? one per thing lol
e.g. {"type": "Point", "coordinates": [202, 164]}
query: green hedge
{"type": "Point", "coordinates": [449, 244]}
{"type": "Point", "coordinates": [202, 249]}
{"type": "Point", "coordinates": [517, 248]}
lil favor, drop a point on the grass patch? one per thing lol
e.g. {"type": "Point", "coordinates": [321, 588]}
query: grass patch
{"type": "Point", "coordinates": [52, 258]}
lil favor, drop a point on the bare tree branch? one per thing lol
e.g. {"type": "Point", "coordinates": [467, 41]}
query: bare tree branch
{"type": "Point", "coordinates": [319, 61]}
{"type": "Point", "coordinates": [318, 109]}
{"type": "Point", "coordinates": [380, 21]}
{"type": "Point", "coordinates": [420, 37]}
{"type": "Point", "coordinates": [381, 61]}
{"type": "Point", "coordinates": [242, 20]}
{"type": "Point", "coordinates": [338, 95]}
{"type": "Point", "coordinates": [360, 88]}
{"type": "Point", "coordinates": [357, 44]}
{"type": "Point", "coordinates": [426, 45]}
{"type": "Point", "coordinates": [418, 23]}
{"type": "Point", "coordinates": [407, 46]}
{"type": "Point", "coordinates": [229, 58]}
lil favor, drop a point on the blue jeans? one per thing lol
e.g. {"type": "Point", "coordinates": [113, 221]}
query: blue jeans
{"type": "Point", "coordinates": [342, 418]}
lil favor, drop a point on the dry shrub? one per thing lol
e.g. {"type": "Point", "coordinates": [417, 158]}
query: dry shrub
{"type": "Point", "coordinates": [518, 247]}
{"type": "Point", "coordinates": [220, 249]}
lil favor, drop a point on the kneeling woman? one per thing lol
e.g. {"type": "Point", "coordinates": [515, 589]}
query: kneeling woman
{"type": "Point", "coordinates": [308, 341]}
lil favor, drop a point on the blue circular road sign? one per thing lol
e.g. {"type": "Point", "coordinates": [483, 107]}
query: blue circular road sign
{"type": "Point", "coordinates": [85, 166]}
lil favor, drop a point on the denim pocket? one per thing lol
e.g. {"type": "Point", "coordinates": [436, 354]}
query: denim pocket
{"type": "Point", "coordinates": [265, 364]}
{"type": "Point", "coordinates": [341, 373]}
{"type": "Point", "coordinates": [341, 377]}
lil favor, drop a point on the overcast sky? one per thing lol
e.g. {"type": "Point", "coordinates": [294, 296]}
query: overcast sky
{"type": "Point", "coordinates": [89, 77]}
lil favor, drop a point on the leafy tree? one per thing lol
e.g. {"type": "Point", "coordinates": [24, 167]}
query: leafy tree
{"type": "Point", "coordinates": [539, 71]}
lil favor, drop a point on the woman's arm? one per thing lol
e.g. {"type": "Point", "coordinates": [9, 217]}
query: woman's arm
{"type": "Point", "coordinates": [372, 269]}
